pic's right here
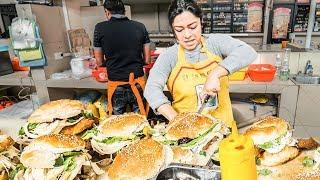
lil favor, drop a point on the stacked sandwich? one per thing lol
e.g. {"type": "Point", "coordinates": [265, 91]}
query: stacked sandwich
{"type": "Point", "coordinates": [8, 156]}
{"type": "Point", "coordinates": [58, 117]}
{"type": "Point", "coordinates": [273, 139]}
{"type": "Point", "coordinates": [194, 138]}
{"type": "Point", "coordinates": [54, 156]}
{"type": "Point", "coordinates": [116, 132]}
{"type": "Point", "coordinates": [143, 159]}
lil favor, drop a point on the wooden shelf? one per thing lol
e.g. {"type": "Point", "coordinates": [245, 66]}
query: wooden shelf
{"type": "Point", "coordinates": [19, 78]}
{"type": "Point", "coordinates": [86, 83]}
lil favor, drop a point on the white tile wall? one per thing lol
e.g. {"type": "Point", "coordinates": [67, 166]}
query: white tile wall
{"type": "Point", "coordinates": [300, 131]}
{"type": "Point", "coordinates": [268, 58]}
{"type": "Point", "coordinates": [297, 62]}
{"type": "Point", "coordinates": [294, 62]}
{"type": "Point", "coordinates": [257, 61]}
{"type": "Point", "coordinates": [313, 131]}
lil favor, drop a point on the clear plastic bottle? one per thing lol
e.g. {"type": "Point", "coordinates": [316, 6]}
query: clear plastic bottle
{"type": "Point", "coordinates": [278, 64]}
{"type": "Point", "coordinates": [285, 71]}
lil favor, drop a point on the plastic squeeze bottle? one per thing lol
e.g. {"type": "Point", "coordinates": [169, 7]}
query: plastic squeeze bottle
{"type": "Point", "coordinates": [237, 157]}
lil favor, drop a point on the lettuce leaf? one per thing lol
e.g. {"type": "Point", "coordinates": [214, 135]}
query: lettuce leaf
{"type": "Point", "coordinates": [271, 144]}
{"type": "Point", "coordinates": [67, 160]}
{"type": "Point", "coordinates": [308, 161]}
{"type": "Point", "coordinates": [170, 142]}
{"type": "Point", "coordinates": [90, 133]}
{"type": "Point", "coordinates": [69, 164]}
{"type": "Point", "coordinates": [114, 139]}
{"type": "Point", "coordinates": [15, 171]}
{"type": "Point", "coordinates": [31, 126]}
{"type": "Point", "coordinates": [190, 143]}
{"type": "Point", "coordinates": [264, 172]}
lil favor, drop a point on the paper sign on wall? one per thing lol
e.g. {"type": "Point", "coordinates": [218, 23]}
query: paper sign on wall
{"type": "Point", "coordinates": [254, 17]}
{"type": "Point", "coordinates": [281, 18]}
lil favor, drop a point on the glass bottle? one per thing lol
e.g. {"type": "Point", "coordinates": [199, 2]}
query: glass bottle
{"type": "Point", "coordinates": [278, 64]}
{"type": "Point", "coordinates": [285, 71]}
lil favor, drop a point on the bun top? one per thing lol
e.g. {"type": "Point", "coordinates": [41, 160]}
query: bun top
{"type": "Point", "coordinates": [61, 109]}
{"type": "Point", "coordinates": [42, 152]}
{"type": "Point", "coordinates": [123, 125]}
{"type": "Point", "coordinates": [268, 129]}
{"type": "Point", "coordinates": [59, 141]}
{"type": "Point", "coordinates": [189, 125]}
{"type": "Point", "coordinates": [141, 160]}
{"type": "Point", "coordinates": [5, 141]}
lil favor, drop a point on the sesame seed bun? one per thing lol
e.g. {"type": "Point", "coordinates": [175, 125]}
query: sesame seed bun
{"type": "Point", "coordinates": [189, 125]}
{"type": "Point", "coordinates": [141, 160]}
{"type": "Point", "coordinates": [61, 109]}
{"type": "Point", "coordinates": [270, 159]}
{"type": "Point", "coordinates": [267, 129]}
{"type": "Point", "coordinates": [42, 152]}
{"type": "Point", "coordinates": [122, 125]}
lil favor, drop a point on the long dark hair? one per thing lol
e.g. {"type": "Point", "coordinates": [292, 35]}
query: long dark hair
{"type": "Point", "coordinates": [179, 6]}
{"type": "Point", "coordinates": [114, 6]}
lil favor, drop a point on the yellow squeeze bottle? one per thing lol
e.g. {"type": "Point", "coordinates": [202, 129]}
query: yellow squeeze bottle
{"type": "Point", "coordinates": [237, 157]}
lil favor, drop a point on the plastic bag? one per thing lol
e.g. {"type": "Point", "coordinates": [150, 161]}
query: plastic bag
{"type": "Point", "coordinates": [79, 67]}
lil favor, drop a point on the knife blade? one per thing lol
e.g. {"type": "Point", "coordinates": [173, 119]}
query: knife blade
{"type": "Point", "coordinates": [203, 105]}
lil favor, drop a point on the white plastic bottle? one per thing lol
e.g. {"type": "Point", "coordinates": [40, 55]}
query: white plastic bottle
{"type": "Point", "coordinates": [278, 64]}
{"type": "Point", "coordinates": [285, 71]}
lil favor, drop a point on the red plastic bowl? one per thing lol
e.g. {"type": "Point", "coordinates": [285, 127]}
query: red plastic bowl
{"type": "Point", "coordinates": [100, 74]}
{"type": "Point", "coordinates": [261, 72]}
{"type": "Point", "coordinates": [148, 67]}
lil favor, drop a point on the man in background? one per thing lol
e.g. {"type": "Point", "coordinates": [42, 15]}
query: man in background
{"type": "Point", "coordinates": [124, 44]}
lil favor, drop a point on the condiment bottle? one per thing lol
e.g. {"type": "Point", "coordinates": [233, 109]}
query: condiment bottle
{"type": "Point", "coordinates": [237, 157]}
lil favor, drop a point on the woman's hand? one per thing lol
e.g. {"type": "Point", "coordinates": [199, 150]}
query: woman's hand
{"type": "Point", "coordinates": [212, 85]}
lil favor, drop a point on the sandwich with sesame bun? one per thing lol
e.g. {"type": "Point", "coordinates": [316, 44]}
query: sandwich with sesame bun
{"type": "Point", "coordinates": [273, 138]}
{"type": "Point", "coordinates": [9, 157]}
{"type": "Point", "coordinates": [116, 132]}
{"type": "Point", "coordinates": [62, 116]}
{"type": "Point", "coordinates": [54, 156]}
{"type": "Point", "coordinates": [194, 137]}
{"type": "Point", "coordinates": [143, 159]}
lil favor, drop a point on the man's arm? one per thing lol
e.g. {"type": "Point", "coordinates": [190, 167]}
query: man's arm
{"type": "Point", "coordinates": [146, 46]}
{"type": "Point", "coordinates": [98, 55]}
{"type": "Point", "coordinates": [146, 53]}
{"type": "Point", "coordinates": [97, 47]}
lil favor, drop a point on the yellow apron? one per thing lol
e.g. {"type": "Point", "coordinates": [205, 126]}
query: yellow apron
{"type": "Point", "coordinates": [186, 82]}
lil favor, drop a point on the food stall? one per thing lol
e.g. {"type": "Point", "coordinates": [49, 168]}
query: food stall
{"type": "Point", "coordinates": [54, 122]}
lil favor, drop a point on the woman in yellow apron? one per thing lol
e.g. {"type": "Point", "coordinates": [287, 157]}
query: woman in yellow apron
{"type": "Point", "coordinates": [195, 66]}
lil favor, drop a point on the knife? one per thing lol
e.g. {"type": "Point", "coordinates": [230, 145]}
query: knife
{"type": "Point", "coordinates": [203, 105]}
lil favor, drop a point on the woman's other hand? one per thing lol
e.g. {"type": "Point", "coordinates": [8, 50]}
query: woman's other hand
{"type": "Point", "coordinates": [167, 111]}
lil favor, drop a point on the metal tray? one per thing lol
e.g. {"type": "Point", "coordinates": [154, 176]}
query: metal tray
{"type": "Point", "coordinates": [189, 172]}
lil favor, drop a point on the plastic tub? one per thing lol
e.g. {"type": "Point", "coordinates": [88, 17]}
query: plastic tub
{"type": "Point", "coordinates": [148, 67]}
{"type": "Point", "coordinates": [261, 72]}
{"type": "Point", "coordinates": [238, 75]}
{"type": "Point", "coordinates": [100, 74]}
